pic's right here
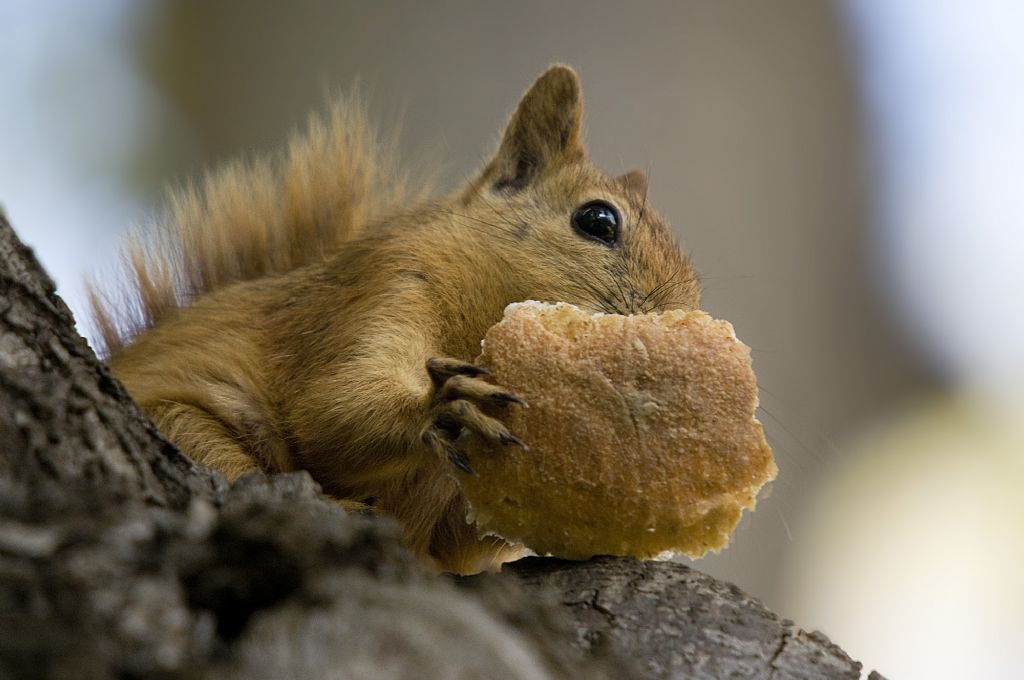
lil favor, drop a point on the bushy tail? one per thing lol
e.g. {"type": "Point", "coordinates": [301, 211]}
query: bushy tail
{"type": "Point", "coordinates": [254, 218]}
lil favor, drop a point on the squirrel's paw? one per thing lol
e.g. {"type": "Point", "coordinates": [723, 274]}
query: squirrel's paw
{"type": "Point", "coordinates": [458, 394]}
{"type": "Point", "coordinates": [364, 507]}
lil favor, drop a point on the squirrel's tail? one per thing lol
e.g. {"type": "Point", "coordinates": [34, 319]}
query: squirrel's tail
{"type": "Point", "coordinates": [254, 218]}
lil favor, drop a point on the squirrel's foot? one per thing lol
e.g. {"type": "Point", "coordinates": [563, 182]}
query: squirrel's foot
{"type": "Point", "coordinates": [458, 396]}
{"type": "Point", "coordinates": [363, 507]}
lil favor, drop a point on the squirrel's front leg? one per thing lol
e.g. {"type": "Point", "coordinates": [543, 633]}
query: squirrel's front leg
{"type": "Point", "coordinates": [391, 441]}
{"type": "Point", "coordinates": [454, 411]}
{"type": "Point", "coordinates": [455, 408]}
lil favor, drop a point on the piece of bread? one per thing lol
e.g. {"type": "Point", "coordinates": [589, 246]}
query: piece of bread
{"type": "Point", "coordinates": [641, 431]}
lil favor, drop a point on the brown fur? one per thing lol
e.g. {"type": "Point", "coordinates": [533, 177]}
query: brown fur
{"type": "Point", "coordinates": [315, 315]}
{"type": "Point", "coordinates": [250, 220]}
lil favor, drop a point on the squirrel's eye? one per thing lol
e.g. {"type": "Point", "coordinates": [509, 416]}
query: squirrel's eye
{"type": "Point", "coordinates": [598, 220]}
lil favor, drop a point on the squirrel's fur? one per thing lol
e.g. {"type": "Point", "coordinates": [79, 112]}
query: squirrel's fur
{"type": "Point", "coordinates": [315, 314]}
{"type": "Point", "coordinates": [256, 218]}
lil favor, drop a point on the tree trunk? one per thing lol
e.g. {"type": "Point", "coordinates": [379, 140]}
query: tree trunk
{"type": "Point", "coordinates": [120, 558]}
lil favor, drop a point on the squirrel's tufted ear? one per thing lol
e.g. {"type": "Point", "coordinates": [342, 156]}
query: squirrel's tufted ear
{"type": "Point", "coordinates": [544, 131]}
{"type": "Point", "coordinates": [634, 181]}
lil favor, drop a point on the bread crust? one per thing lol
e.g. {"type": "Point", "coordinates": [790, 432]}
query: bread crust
{"type": "Point", "coordinates": [642, 433]}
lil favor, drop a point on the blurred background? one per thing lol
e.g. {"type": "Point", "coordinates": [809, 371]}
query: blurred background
{"type": "Point", "coordinates": [848, 177]}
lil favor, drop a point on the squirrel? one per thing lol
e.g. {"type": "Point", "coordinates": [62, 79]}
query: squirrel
{"type": "Point", "coordinates": [316, 313]}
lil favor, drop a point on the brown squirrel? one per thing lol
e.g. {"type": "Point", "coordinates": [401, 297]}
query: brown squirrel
{"type": "Point", "coordinates": [313, 313]}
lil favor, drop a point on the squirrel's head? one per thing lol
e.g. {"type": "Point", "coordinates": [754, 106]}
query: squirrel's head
{"type": "Point", "coordinates": [588, 238]}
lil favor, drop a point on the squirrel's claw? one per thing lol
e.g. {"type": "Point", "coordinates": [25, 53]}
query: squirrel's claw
{"type": "Point", "coordinates": [509, 438]}
{"type": "Point", "coordinates": [443, 368]}
{"type": "Point", "coordinates": [463, 414]}
{"type": "Point", "coordinates": [459, 460]}
{"type": "Point", "coordinates": [466, 387]}
{"type": "Point", "coordinates": [446, 449]}
{"type": "Point", "coordinates": [456, 410]}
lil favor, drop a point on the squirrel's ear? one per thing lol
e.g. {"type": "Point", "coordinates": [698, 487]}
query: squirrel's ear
{"type": "Point", "coordinates": [634, 181]}
{"type": "Point", "coordinates": [544, 131]}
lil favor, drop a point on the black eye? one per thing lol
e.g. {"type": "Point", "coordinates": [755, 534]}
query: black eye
{"type": "Point", "coordinates": [597, 220]}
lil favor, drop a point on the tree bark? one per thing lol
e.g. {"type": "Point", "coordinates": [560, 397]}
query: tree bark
{"type": "Point", "coordinates": [679, 623]}
{"type": "Point", "coordinates": [120, 558]}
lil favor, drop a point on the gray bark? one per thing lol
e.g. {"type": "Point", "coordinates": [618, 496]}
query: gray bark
{"type": "Point", "coordinates": [679, 623]}
{"type": "Point", "coordinates": [120, 558]}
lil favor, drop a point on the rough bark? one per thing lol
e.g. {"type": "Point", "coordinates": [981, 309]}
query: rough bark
{"type": "Point", "coordinates": [680, 623]}
{"type": "Point", "coordinates": [120, 558]}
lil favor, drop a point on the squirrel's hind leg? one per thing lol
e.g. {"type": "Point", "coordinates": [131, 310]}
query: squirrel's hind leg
{"type": "Point", "coordinates": [204, 438]}
{"type": "Point", "coordinates": [207, 440]}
